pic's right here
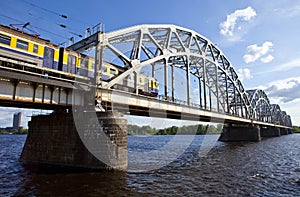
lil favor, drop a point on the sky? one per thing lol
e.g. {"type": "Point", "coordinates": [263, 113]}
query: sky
{"type": "Point", "coordinates": [261, 40]}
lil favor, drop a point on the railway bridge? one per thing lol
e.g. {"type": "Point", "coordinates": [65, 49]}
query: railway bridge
{"type": "Point", "coordinates": [151, 70]}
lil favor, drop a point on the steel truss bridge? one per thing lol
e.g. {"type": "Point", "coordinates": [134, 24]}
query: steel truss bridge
{"type": "Point", "coordinates": [196, 80]}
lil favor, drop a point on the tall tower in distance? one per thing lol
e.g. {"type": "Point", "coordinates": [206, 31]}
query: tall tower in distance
{"type": "Point", "coordinates": [17, 120]}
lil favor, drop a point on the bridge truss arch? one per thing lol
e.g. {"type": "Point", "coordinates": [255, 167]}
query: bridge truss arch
{"type": "Point", "coordinates": [280, 117]}
{"type": "Point", "coordinates": [260, 104]}
{"type": "Point", "coordinates": [210, 81]}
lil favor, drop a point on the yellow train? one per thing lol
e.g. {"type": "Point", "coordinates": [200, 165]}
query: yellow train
{"type": "Point", "coordinates": [41, 56]}
{"type": "Point", "coordinates": [25, 52]}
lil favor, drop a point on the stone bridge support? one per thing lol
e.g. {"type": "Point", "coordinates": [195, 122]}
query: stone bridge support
{"type": "Point", "coordinates": [232, 133]}
{"type": "Point", "coordinates": [57, 139]}
{"type": "Point", "coordinates": [284, 131]}
{"type": "Point", "coordinates": [270, 132]}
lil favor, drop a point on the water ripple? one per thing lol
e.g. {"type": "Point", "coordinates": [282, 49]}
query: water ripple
{"type": "Point", "coordinates": [268, 168]}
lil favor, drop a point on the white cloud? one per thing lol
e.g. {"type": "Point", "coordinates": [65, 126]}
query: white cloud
{"type": "Point", "coordinates": [267, 59]}
{"type": "Point", "coordinates": [288, 65]}
{"type": "Point", "coordinates": [255, 52]}
{"type": "Point", "coordinates": [244, 73]}
{"type": "Point", "coordinates": [284, 91]}
{"type": "Point", "coordinates": [228, 26]}
{"type": "Point", "coordinates": [290, 12]}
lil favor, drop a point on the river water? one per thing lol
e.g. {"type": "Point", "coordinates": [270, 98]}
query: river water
{"type": "Point", "coordinates": [267, 168]}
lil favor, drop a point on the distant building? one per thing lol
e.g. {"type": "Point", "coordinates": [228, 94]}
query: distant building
{"type": "Point", "coordinates": [17, 120]}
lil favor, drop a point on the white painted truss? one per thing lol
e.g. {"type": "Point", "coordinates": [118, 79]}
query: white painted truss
{"type": "Point", "coordinates": [170, 47]}
{"type": "Point", "coordinates": [138, 46]}
{"type": "Point", "coordinates": [264, 111]}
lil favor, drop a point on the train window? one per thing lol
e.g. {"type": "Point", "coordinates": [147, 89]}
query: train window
{"type": "Point", "coordinates": [35, 48]}
{"type": "Point", "coordinates": [5, 39]}
{"type": "Point", "coordinates": [84, 63]}
{"type": "Point", "coordinates": [113, 71]}
{"type": "Point", "coordinates": [22, 44]}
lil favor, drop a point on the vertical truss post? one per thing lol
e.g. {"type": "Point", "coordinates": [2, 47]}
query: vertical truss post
{"type": "Point", "coordinates": [166, 79]}
{"type": "Point", "coordinates": [200, 92]}
{"type": "Point", "coordinates": [173, 80]}
{"type": "Point", "coordinates": [227, 99]}
{"type": "Point", "coordinates": [235, 100]}
{"type": "Point", "coordinates": [204, 85]}
{"type": "Point", "coordinates": [153, 70]}
{"type": "Point", "coordinates": [90, 97]}
{"type": "Point", "coordinates": [242, 107]}
{"type": "Point", "coordinates": [99, 60]}
{"type": "Point", "coordinates": [188, 80]}
{"type": "Point", "coordinates": [136, 76]}
{"type": "Point", "coordinates": [210, 105]}
{"type": "Point", "coordinates": [217, 88]}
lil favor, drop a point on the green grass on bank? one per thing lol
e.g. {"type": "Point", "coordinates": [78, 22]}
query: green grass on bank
{"type": "Point", "coordinates": [296, 129]}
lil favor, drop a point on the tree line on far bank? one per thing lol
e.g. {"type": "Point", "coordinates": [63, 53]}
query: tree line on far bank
{"type": "Point", "coordinates": [184, 130]}
{"type": "Point", "coordinates": [296, 129]}
{"type": "Point", "coordinates": [14, 131]}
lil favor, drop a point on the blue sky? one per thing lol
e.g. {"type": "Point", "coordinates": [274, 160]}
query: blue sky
{"type": "Point", "coordinates": [261, 39]}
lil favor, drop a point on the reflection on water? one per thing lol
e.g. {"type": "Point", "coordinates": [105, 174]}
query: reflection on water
{"type": "Point", "coordinates": [268, 168]}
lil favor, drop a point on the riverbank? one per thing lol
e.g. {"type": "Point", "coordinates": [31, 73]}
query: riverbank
{"type": "Point", "coordinates": [296, 129]}
{"type": "Point", "coordinates": [184, 130]}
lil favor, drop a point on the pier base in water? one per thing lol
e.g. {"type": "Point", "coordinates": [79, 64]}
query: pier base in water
{"type": "Point", "coordinates": [284, 131]}
{"type": "Point", "coordinates": [85, 140]}
{"type": "Point", "coordinates": [270, 132]}
{"type": "Point", "coordinates": [233, 133]}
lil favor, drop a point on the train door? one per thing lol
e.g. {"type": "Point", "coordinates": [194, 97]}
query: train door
{"type": "Point", "coordinates": [71, 64]}
{"type": "Point", "coordinates": [48, 57]}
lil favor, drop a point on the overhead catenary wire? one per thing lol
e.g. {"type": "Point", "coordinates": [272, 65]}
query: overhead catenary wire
{"type": "Point", "coordinates": [61, 24]}
{"type": "Point", "coordinates": [11, 18]}
{"type": "Point", "coordinates": [71, 30]}
{"type": "Point", "coordinates": [44, 30]}
{"type": "Point", "coordinates": [47, 10]}
{"type": "Point", "coordinates": [21, 23]}
{"type": "Point", "coordinates": [56, 13]}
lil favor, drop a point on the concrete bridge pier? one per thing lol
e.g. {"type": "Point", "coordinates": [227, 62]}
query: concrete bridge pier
{"type": "Point", "coordinates": [284, 131]}
{"type": "Point", "coordinates": [80, 139]}
{"type": "Point", "coordinates": [270, 132]}
{"type": "Point", "coordinates": [232, 133]}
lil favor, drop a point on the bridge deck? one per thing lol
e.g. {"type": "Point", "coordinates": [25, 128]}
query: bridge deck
{"type": "Point", "coordinates": [153, 107]}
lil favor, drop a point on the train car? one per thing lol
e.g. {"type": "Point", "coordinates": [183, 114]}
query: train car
{"type": "Point", "coordinates": [40, 56]}
{"type": "Point", "coordinates": [146, 85]}
{"type": "Point", "coordinates": [37, 52]}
